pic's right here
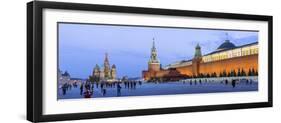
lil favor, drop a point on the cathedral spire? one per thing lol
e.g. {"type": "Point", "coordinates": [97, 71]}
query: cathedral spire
{"type": "Point", "coordinates": [106, 57]}
{"type": "Point", "coordinates": [106, 67]}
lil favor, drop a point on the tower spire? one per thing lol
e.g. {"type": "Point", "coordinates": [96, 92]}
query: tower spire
{"type": "Point", "coordinates": [153, 63]}
{"type": "Point", "coordinates": [197, 51]}
{"type": "Point", "coordinates": [226, 37]}
{"type": "Point", "coordinates": [153, 45]}
{"type": "Point", "coordinates": [153, 56]}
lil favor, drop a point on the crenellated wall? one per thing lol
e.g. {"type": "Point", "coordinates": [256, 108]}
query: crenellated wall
{"type": "Point", "coordinates": [245, 62]}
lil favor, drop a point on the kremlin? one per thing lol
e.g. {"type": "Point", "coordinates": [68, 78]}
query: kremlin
{"type": "Point", "coordinates": [226, 61]}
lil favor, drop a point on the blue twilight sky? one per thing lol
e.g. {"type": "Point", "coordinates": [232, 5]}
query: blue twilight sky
{"type": "Point", "coordinates": [82, 46]}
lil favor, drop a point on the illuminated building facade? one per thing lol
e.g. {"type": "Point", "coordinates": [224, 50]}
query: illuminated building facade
{"type": "Point", "coordinates": [227, 58]}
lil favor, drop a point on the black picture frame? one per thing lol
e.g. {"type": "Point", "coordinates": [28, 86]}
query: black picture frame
{"type": "Point", "coordinates": [35, 69]}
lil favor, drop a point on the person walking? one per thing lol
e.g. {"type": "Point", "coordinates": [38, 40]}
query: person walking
{"type": "Point", "coordinates": [233, 83]}
{"type": "Point", "coordinates": [64, 89]}
{"type": "Point", "coordinates": [118, 90]}
{"type": "Point", "coordinates": [81, 89]}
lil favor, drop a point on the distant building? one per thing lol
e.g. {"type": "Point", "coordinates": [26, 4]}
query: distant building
{"type": "Point", "coordinates": [227, 58]}
{"type": "Point", "coordinates": [104, 73]}
{"type": "Point", "coordinates": [63, 77]}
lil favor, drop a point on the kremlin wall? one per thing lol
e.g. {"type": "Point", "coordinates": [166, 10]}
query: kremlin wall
{"type": "Point", "coordinates": [226, 58]}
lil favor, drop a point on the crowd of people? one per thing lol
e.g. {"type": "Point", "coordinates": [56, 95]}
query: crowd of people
{"type": "Point", "coordinates": [233, 82]}
{"type": "Point", "coordinates": [87, 88]}
{"type": "Point", "coordinates": [67, 87]}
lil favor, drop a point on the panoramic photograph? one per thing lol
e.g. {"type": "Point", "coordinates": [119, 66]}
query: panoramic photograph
{"type": "Point", "coordinates": [102, 60]}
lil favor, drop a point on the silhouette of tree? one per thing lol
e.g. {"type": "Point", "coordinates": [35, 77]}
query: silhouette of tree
{"type": "Point", "coordinates": [239, 72]}
{"type": "Point", "coordinates": [224, 73]}
{"type": "Point", "coordinates": [208, 75]}
{"type": "Point", "coordinates": [214, 74]}
{"type": "Point", "coordinates": [250, 72]}
{"type": "Point", "coordinates": [229, 74]}
{"type": "Point", "coordinates": [257, 73]}
{"type": "Point", "coordinates": [234, 73]}
{"type": "Point", "coordinates": [253, 72]}
{"type": "Point", "coordinates": [243, 73]}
